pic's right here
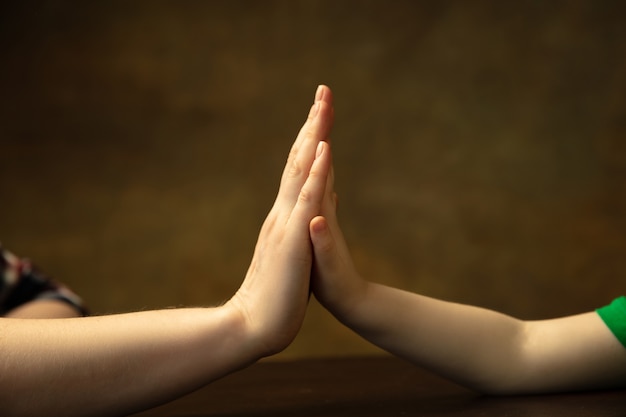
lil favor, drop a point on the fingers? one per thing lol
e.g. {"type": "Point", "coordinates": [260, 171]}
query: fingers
{"type": "Point", "coordinates": [309, 200]}
{"type": "Point", "coordinates": [323, 94]}
{"type": "Point", "coordinates": [329, 204]}
{"type": "Point", "coordinates": [316, 128]}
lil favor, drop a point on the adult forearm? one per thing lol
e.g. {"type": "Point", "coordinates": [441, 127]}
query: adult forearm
{"type": "Point", "coordinates": [115, 365]}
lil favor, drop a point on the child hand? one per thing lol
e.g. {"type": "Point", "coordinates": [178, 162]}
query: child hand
{"type": "Point", "coordinates": [335, 281]}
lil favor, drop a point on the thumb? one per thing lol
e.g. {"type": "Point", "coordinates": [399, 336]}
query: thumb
{"type": "Point", "coordinates": [324, 244]}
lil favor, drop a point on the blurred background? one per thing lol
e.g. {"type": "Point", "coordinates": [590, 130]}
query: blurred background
{"type": "Point", "coordinates": [480, 146]}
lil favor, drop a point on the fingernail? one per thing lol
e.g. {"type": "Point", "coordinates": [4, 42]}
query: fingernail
{"type": "Point", "coordinates": [319, 93]}
{"type": "Point", "coordinates": [320, 148]}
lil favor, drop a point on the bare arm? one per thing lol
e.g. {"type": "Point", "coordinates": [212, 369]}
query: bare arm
{"type": "Point", "coordinates": [119, 364]}
{"type": "Point", "coordinates": [488, 351]}
{"type": "Point", "coordinates": [482, 349]}
{"type": "Point", "coordinates": [116, 365]}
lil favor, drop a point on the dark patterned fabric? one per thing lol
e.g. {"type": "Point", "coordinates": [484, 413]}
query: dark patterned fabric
{"type": "Point", "coordinates": [21, 282]}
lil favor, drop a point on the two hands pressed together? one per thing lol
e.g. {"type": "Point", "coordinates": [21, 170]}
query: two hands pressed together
{"type": "Point", "coordinates": [119, 364]}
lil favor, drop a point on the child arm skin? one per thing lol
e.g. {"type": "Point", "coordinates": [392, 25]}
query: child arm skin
{"type": "Point", "coordinates": [119, 364]}
{"type": "Point", "coordinates": [482, 349]}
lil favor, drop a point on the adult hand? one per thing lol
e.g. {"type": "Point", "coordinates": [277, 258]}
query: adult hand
{"type": "Point", "coordinates": [274, 294]}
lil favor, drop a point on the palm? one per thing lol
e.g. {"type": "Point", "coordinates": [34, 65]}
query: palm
{"type": "Point", "coordinates": [274, 294]}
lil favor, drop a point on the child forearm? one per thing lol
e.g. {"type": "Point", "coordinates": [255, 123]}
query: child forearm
{"type": "Point", "coordinates": [489, 351]}
{"type": "Point", "coordinates": [473, 346]}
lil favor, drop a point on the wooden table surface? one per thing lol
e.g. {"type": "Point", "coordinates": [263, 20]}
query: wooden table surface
{"type": "Point", "coordinates": [371, 386]}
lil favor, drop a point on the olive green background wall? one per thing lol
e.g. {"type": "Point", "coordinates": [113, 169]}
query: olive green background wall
{"type": "Point", "coordinates": [480, 146]}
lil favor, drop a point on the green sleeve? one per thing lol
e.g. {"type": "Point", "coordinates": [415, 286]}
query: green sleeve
{"type": "Point", "coordinates": [614, 316]}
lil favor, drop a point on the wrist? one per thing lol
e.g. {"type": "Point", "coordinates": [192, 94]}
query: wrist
{"type": "Point", "coordinates": [254, 338]}
{"type": "Point", "coordinates": [348, 305]}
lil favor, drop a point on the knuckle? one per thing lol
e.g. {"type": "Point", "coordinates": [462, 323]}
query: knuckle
{"type": "Point", "coordinates": [293, 152]}
{"type": "Point", "coordinates": [306, 196]}
{"type": "Point", "coordinates": [295, 169]}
